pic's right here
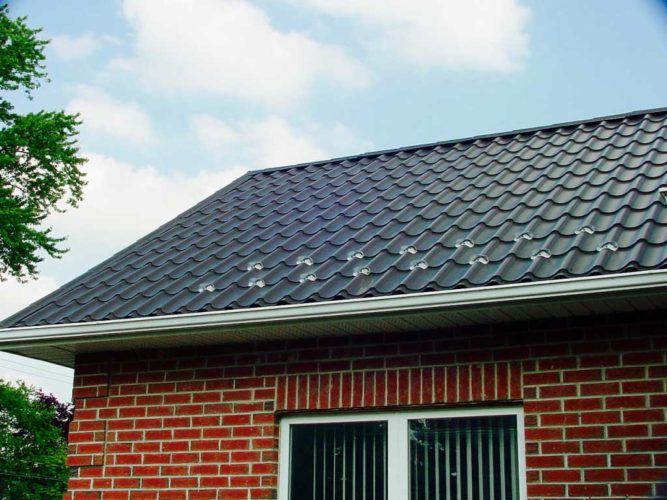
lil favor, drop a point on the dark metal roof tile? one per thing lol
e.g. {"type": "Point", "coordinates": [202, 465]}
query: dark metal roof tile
{"type": "Point", "coordinates": [569, 200]}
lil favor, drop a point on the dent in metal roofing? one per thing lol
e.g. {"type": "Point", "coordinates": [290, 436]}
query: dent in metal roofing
{"type": "Point", "coordinates": [563, 201]}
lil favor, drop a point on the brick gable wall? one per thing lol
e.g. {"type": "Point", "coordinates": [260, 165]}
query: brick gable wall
{"type": "Point", "coordinates": [202, 422]}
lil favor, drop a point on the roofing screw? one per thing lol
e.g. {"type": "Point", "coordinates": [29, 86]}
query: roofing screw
{"type": "Point", "coordinates": [585, 229]}
{"type": "Point", "coordinates": [479, 259]}
{"type": "Point", "coordinates": [259, 282]}
{"type": "Point", "coordinates": [544, 253]}
{"type": "Point", "coordinates": [524, 236]}
{"type": "Point", "coordinates": [358, 254]}
{"type": "Point", "coordinates": [305, 260]}
{"type": "Point", "coordinates": [364, 270]}
{"type": "Point", "coordinates": [610, 245]}
{"type": "Point", "coordinates": [465, 243]}
{"type": "Point", "coordinates": [408, 249]}
{"type": "Point", "coordinates": [422, 264]}
{"type": "Point", "coordinates": [206, 287]}
{"type": "Point", "coordinates": [308, 277]}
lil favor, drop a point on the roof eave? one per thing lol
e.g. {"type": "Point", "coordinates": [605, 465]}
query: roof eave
{"type": "Point", "coordinates": [113, 335]}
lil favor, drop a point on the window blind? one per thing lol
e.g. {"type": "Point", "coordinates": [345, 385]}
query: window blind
{"type": "Point", "coordinates": [473, 458]}
{"type": "Point", "coordinates": [338, 461]}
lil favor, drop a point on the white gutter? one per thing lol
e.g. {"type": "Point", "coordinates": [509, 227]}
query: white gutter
{"type": "Point", "coordinates": [442, 300]}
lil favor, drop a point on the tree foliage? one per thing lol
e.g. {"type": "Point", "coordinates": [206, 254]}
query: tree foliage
{"type": "Point", "coordinates": [33, 444]}
{"type": "Point", "coordinates": [39, 159]}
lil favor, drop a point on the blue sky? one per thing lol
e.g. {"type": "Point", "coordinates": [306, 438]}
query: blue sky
{"type": "Point", "coordinates": [179, 97]}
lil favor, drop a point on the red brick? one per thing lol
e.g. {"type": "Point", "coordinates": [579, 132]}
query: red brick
{"type": "Point", "coordinates": [128, 459]}
{"type": "Point", "coordinates": [559, 419]}
{"type": "Point", "coordinates": [154, 482]}
{"type": "Point", "coordinates": [657, 371]}
{"type": "Point", "coordinates": [643, 358]}
{"type": "Point", "coordinates": [602, 361]}
{"type": "Point", "coordinates": [625, 373]}
{"type": "Point", "coordinates": [540, 378]}
{"type": "Point", "coordinates": [604, 446]}
{"type": "Point", "coordinates": [658, 400]}
{"type": "Point", "coordinates": [647, 474]}
{"type": "Point", "coordinates": [587, 490]}
{"type": "Point", "coordinates": [546, 490]}
{"type": "Point", "coordinates": [600, 389]}
{"type": "Point", "coordinates": [585, 432]}
{"type": "Point", "coordinates": [541, 406]}
{"type": "Point", "coordinates": [582, 375]}
{"type": "Point", "coordinates": [561, 476]}
{"type": "Point", "coordinates": [587, 460]}
{"type": "Point", "coordinates": [230, 494]}
{"type": "Point", "coordinates": [149, 447]}
{"type": "Point", "coordinates": [644, 445]}
{"type": "Point", "coordinates": [604, 475]}
{"type": "Point", "coordinates": [147, 423]}
{"type": "Point", "coordinates": [643, 415]}
{"type": "Point", "coordinates": [642, 386]}
{"type": "Point", "coordinates": [626, 489]}
{"type": "Point", "coordinates": [544, 434]}
{"type": "Point", "coordinates": [600, 417]}
{"type": "Point", "coordinates": [659, 429]}
{"type": "Point", "coordinates": [544, 461]}
{"type": "Point", "coordinates": [584, 404]}
{"type": "Point", "coordinates": [627, 430]}
{"type": "Point", "coordinates": [558, 391]}
{"type": "Point", "coordinates": [157, 458]}
{"type": "Point", "coordinates": [236, 481]}
{"type": "Point", "coordinates": [206, 397]}
{"type": "Point", "coordinates": [630, 460]}
{"type": "Point", "coordinates": [560, 447]}
{"type": "Point", "coordinates": [625, 402]}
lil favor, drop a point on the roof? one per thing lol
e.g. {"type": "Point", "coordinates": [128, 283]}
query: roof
{"type": "Point", "coordinates": [557, 202]}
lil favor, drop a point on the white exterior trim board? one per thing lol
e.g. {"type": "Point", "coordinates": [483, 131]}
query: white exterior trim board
{"type": "Point", "coordinates": [441, 300]}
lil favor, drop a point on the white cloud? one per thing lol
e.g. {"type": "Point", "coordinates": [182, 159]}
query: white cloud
{"type": "Point", "coordinates": [230, 48]}
{"type": "Point", "coordinates": [215, 135]}
{"type": "Point", "coordinates": [105, 115]}
{"type": "Point", "coordinates": [273, 141]}
{"type": "Point", "coordinates": [480, 34]}
{"type": "Point", "coordinates": [69, 47]}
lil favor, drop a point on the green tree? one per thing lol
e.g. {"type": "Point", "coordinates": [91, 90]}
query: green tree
{"type": "Point", "coordinates": [39, 158]}
{"type": "Point", "coordinates": [33, 448]}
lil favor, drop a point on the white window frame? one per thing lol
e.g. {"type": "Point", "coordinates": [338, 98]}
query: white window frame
{"type": "Point", "coordinates": [398, 445]}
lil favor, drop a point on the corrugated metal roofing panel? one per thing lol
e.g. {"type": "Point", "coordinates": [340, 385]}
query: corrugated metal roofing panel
{"type": "Point", "coordinates": [562, 201]}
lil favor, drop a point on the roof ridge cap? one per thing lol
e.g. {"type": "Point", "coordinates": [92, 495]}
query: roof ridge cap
{"type": "Point", "coordinates": [447, 142]}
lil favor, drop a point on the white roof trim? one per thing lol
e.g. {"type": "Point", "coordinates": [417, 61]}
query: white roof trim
{"type": "Point", "coordinates": [71, 333]}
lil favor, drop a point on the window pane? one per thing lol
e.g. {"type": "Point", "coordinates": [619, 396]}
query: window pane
{"type": "Point", "coordinates": [346, 461]}
{"type": "Point", "coordinates": [464, 458]}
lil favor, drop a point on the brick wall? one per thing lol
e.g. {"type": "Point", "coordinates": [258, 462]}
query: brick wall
{"type": "Point", "coordinates": [202, 423]}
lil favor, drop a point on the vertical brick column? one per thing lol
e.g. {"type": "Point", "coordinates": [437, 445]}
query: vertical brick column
{"type": "Point", "coordinates": [87, 435]}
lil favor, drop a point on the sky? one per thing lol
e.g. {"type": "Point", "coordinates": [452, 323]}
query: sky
{"type": "Point", "coordinates": [180, 97]}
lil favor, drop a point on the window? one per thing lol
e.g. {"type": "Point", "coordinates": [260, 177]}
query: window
{"type": "Point", "coordinates": [417, 455]}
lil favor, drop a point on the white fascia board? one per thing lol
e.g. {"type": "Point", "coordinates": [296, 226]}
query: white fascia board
{"type": "Point", "coordinates": [441, 300]}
